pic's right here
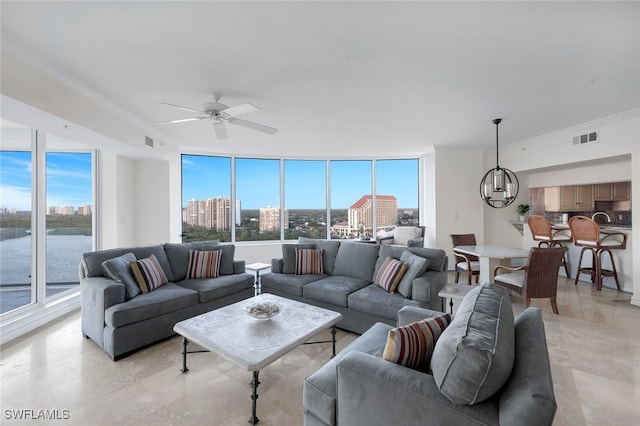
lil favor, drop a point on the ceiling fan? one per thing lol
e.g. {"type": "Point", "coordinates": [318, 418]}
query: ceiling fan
{"type": "Point", "coordinates": [218, 113]}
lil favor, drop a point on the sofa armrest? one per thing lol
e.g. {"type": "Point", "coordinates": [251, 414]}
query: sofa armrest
{"type": "Point", "coordinates": [374, 391]}
{"type": "Point", "coordinates": [408, 314]}
{"type": "Point", "coordinates": [239, 266]}
{"type": "Point", "coordinates": [427, 286]}
{"type": "Point", "coordinates": [276, 265]}
{"type": "Point", "coordinates": [97, 294]}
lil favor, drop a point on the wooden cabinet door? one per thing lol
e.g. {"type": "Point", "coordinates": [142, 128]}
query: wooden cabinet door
{"type": "Point", "coordinates": [584, 197]}
{"type": "Point", "coordinates": [568, 201]}
{"type": "Point", "coordinates": [604, 191]}
{"type": "Point", "coordinates": [620, 191]}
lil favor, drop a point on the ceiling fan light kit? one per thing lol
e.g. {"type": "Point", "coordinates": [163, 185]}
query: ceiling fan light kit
{"type": "Point", "coordinates": [218, 113]}
{"type": "Point", "coordinates": [499, 187]}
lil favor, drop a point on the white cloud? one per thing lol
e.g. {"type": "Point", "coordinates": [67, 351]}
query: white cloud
{"type": "Point", "coordinates": [15, 197]}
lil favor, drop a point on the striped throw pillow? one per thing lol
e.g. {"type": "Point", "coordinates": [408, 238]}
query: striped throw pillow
{"type": "Point", "coordinates": [309, 261]}
{"type": "Point", "coordinates": [412, 345]}
{"type": "Point", "coordinates": [390, 274]}
{"type": "Point", "coordinates": [204, 264]}
{"type": "Point", "coordinates": [148, 274]}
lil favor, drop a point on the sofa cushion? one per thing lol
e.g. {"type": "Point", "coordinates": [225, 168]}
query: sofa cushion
{"type": "Point", "coordinates": [390, 274]}
{"type": "Point", "coordinates": [287, 284]}
{"type": "Point", "coordinates": [148, 273]}
{"type": "Point", "coordinates": [320, 388]}
{"type": "Point", "coordinates": [416, 266]}
{"type": "Point", "coordinates": [329, 251]}
{"type": "Point", "coordinates": [308, 261]}
{"type": "Point", "coordinates": [334, 290]}
{"type": "Point", "coordinates": [214, 288]}
{"type": "Point", "coordinates": [374, 299]}
{"type": "Point", "coordinates": [387, 251]}
{"type": "Point", "coordinates": [92, 261]}
{"type": "Point", "coordinates": [474, 356]}
{"type": "Point", "coordinates": [119, 269]}
{"type": "Point", "coordinates": [356, 260]}
{"type": "Point", "coordinates": [167, 298]}
{"type": "Point", "coordinates": [204, 264]}
{"type": "Point", "coordinates": [289, 256]}
{"type": "Point", "coordinates": [412, 345]}
{"type": "Point", "coordinates": [178, 255]}
{"type": "Point", "coordinates": [437, 258]}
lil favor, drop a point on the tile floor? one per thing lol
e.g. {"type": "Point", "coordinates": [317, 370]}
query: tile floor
{"type": "Point", "coordinates": [594, 346]}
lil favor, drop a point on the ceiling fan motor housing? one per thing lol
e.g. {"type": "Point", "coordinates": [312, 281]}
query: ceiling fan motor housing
{"type": "Point", "coordinates": [213, 107]}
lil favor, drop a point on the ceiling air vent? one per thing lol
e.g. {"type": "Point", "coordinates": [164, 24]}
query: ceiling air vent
{"type": "Point", "coordinates": [586, 138]}
{"type": "Point", "coordinates": [148, 141]}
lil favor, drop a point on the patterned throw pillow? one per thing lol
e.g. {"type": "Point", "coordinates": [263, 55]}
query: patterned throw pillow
{"type": "Point", "coordinates": [412, 345]}
{"type": "Point", "coordinates": [148, 274]}
{"type": "Point", "coordinates": [309, 261]}
{"type": "Point", "coordinates": [390, 274]}
{"type": "Point", "coordinates": [204, 264]}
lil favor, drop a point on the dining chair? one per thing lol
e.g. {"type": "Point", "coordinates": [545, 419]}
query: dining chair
{"type": "Point", "coordinates": [549, 236]}
{"type": "Point", "coordinates": [587, 234]}
{"type": "Point", "coordinates": [465, 263]}
{"type": "Point", "coordinates": [537, 279]}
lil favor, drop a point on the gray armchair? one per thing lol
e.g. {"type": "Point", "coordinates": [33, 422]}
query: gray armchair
{"type": "Point", "coordinates": [407, 236]}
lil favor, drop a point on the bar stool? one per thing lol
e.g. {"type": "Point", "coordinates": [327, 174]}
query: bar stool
{"type": "Point", "coordinates": [587, 234]}
{"type": "Point", "coordinates": [548, 236]}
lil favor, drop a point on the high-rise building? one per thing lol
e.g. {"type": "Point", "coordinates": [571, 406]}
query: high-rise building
{"type": "Point", "coordinates": [360, 214]}
{"type": "Point", "coordinates": [270, 218]}
{"type": "Point", "coordinates": [213, 213]}
{"type": "Point", "coordinates": [85, 210]}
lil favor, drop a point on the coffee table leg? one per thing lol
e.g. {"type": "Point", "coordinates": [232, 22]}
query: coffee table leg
{"type": "Point", "coordinates": [451, 305]}
{"type": "Point", "coordinates": [333, 340]}
{"type": "Point", "coordinates": [254, 397]}
{"type": "Point", "coordinates": [185, 342]}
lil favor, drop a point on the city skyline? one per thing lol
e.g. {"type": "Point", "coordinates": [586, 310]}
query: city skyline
{"type": "Point", "coordinates": [68, 179]}
{"type": "Point", "coordinates": [305, 181]}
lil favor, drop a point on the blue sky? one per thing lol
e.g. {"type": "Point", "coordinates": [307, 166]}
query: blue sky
{"type": "Point", "coordinates": [68, 179]}
{"type": "Point", "coordinates": [258, 181]}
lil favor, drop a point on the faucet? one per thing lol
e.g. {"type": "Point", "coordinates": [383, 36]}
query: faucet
{"type": "Point", "coordinates": [597, 213]}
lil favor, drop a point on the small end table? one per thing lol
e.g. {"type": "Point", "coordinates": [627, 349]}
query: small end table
{"type": "Point", "coordinates": [257, 267]}
{"type": "Point", "coordinates": [454, 291]}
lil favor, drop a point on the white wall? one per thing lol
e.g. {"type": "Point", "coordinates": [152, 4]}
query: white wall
{"type": "Point", "coordinates": [152, 202]}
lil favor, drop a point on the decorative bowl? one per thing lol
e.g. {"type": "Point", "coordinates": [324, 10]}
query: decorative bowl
{"type": "Point", "coordinates": [262, 310]}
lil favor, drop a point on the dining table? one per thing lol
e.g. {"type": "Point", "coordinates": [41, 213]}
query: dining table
{"type": "Point", "coordinates": [490, 256]}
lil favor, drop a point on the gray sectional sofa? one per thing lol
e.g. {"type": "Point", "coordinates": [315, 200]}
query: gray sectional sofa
{"type": "Point", "coordinates": [346, 285]}
{"type": "Point", "coordinates": [486, 369]}
{"type": "Point", "coordinates": [120, 320]}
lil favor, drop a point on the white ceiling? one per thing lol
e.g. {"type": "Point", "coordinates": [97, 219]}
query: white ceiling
{"type": "Point", "coordinates": [345, 78]}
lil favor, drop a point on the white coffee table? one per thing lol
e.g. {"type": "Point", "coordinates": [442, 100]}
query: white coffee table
{"type": "Point", "coordinates": [254, 344]}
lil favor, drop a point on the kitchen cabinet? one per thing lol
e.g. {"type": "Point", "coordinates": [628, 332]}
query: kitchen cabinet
{"type": "Point", "coordinates": [569, 198]}
{"type": "Point", "coordinates": [615, 191]}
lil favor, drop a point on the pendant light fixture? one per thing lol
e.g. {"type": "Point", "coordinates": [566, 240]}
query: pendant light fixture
{"type": "Point", "coordinates": [499, 187]}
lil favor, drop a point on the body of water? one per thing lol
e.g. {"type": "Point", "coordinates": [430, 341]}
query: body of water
{"type": "Point", "coordinates": [63, 256]}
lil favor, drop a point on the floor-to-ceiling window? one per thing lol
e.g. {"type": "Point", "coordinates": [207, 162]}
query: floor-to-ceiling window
{"type": "Point", "coordinates": [46, 216]}
{"type": "Point", "coordinates": [351, 199]}
{"type": "Point", "coordinates": [397, 193]}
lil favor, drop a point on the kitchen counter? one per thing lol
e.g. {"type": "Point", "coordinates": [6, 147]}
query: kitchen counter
{"type": "Point", "coordinates": [603, 227]}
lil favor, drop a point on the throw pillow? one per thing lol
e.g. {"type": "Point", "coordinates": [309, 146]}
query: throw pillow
{"type": "Point", "coordinates": [289, 259]}
{"type": "Point", "coordinates": [204, 264]}
{"type": "Point", "coordinates": [119, 270]}
{"type": "Point", "coordinates": [390, 274]}
{"type": "Point", "coordinates": [308, 261]}
{"type": "Point", "coordinates": [416, 266]}
{"type": "Point", "coordinates": [412, 345]}
{"type": "Point", "coordinates": [148, 274]}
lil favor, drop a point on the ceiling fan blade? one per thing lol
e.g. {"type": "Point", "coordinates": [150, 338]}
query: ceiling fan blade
{"type": "Point", "coordinates": [181, 120]}
{"type": "Point", "coordinates": [252, 125]}
{"type": "Point", "coordinates": [221, 131]}
{"type": "Point", "coordinates": [239, 109]}
{"type": "Point", "coordinates": [183, 107]}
